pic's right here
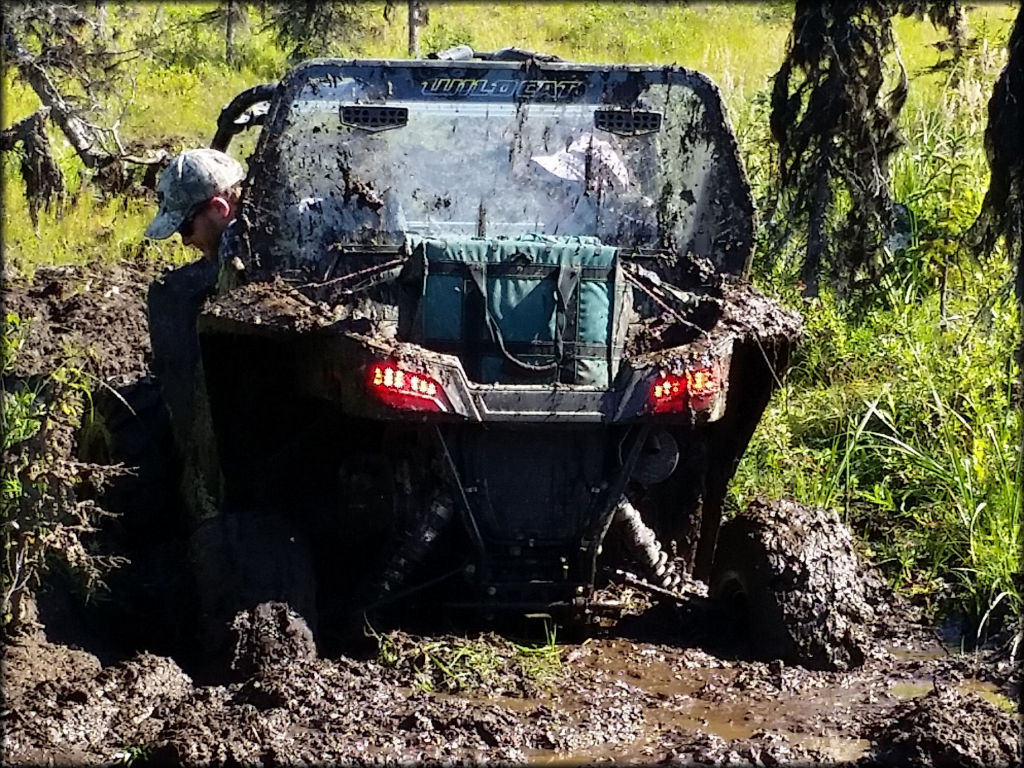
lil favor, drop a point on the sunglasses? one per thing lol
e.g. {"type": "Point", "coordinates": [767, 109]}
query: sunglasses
{"type": "Point", "coordinates": [185, 228]}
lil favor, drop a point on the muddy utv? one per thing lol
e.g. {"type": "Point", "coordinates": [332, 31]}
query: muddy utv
{"type": "Point", "coordinates": [489, 336]}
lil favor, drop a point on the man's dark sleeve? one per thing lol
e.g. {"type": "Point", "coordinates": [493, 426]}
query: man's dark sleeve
{"type": "Point", "coordinates": [174, 302]}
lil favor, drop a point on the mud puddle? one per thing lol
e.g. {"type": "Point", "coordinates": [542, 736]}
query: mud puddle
{"type": "Point", "coordinates": [985, 690]}
{"type": "Point", "coordinates": [686, 705]}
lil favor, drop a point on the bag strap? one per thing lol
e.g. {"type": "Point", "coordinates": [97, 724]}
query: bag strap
{"type": "Point", "coordinates": [478, 274]}
{"type": "Point", "coordinates": [568, 282]}
{"type": "Point", "coordinates": [613, 308]}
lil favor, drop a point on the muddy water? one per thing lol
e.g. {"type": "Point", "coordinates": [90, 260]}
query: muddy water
{"type": "Point", "coordinates": [690, 697]}
{"type": "Point", "coordinates": [704, 696]}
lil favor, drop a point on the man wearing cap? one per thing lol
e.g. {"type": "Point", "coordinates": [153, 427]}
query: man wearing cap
{"type": "Point", "coordinates": [198, 195]}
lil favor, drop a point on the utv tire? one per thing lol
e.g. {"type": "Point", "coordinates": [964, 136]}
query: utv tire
{"type": "Point", "coordinates": [241, 560]}
{"type": "Point", "coordinates": [788, 578]}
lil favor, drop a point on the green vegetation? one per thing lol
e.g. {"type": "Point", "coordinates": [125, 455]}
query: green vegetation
{"type": "Point", "coordinates": [899, 407]}
{"type": "Point", "coordinates": [132, 755]}
{"type": "Point", "coordinates": [487, 664]}
{"type": "Point", "coordinates": [43, 510]}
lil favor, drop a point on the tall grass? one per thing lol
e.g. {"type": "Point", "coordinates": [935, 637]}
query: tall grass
{"type": "Point", "coordinates": [898, 411]}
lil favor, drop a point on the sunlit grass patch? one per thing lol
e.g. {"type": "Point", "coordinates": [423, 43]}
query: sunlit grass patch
{"type": "Point", "coordinates": [904, 420]}
{"type": "Point", "coordinates": [488, 663]}
{"type": "Point", "coordinates": [83, 230]}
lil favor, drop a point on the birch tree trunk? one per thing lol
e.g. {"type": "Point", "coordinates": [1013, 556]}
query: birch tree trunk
{"type": "Point", "coordinates": [417, 19]}
{"type": "Point", "coordinates": [229, 32]}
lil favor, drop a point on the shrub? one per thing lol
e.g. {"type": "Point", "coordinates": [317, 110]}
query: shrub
{"type": "Point", "coordinates": [43, 509]}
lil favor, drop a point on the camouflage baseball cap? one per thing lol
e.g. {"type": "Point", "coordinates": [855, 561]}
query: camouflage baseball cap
{"type": "Point", "coordinates": [191, 178]}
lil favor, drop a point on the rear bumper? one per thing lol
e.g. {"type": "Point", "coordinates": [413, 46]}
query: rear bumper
{"type": "Point", "coordinates": [336, 366]}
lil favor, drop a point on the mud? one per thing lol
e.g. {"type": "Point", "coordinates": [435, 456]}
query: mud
{"type": "Point", "coordinates": [801, 584]}
{"type": "Point", "coordinates": [947, 727]}
{"type": "Point", "coordinates": [667, 684]}
{"type": "Point", "coordinates": [608, 699]}
{"type": "Point", "coordinates": [92, 316]}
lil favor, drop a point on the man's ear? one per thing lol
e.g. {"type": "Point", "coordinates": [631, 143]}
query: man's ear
{"type": "Point", "coordinates": [221, 206]}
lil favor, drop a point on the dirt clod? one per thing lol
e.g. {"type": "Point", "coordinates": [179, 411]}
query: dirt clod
{"type": "Point", "coordinates": [947, 727]}
{"type": "Point", "coordinates": [761, 749]}
{"type": "Point", "coordinates": [268, 635]}
{"type": "Point", "coordinates": [124, 703]}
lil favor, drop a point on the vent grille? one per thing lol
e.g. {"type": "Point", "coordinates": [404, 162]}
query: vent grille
{"type": "Point", "coordinates": [374, 118]}
{"type": "Point", "coordinates": [627, 122]}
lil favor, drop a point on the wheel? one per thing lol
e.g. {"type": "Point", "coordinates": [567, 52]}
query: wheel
{"type": "Point", "coordinates": [149, 598]}
{"type": "Point", "coordinates": [788, 578]}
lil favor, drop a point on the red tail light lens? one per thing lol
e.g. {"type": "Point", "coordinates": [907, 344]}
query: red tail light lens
{"type": "Point", "coordinates": [406, 388]}
{"type": "Point", "coordinates": [702, 387]}
{"type": "Point", "coordinates": [668, 394]}
{"type": "Point", "coordinates": [696, 390]}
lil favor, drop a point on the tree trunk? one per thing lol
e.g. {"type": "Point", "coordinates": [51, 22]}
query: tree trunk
{"type": "Point", "coordinates": [81, 135]}
{"type": "Point", "coordinates": [417, 19]}
{"type": "Point", "coordinates": [817, 235]}
{"type": "Point", "coordinates": [1002, 211]}
{"type": "Point", "coordinates": [229, 32]}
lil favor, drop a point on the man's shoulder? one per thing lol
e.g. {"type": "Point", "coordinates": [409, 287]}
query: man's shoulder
{"type": "Point", "coordinates": [188, 280]}
{"type": "Point", "coordinates": [228, 242]}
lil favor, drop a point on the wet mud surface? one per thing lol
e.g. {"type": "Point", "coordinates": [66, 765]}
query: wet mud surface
{"type": "Point", "coordinates": [673, 684]}
{"type": "Point", "coordinates": [611, 698]}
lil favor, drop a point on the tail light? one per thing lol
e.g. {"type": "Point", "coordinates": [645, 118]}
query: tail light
{"type": "Point", "coordinates": [406, 388]}
{"type": "Point", "coordinates": [702, 385]}
{"type": "Point", "coordinates": [694, 390]}
{"type": "Point", "coordinates": [668, 394]}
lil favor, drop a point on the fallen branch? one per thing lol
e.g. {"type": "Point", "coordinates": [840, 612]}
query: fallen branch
{"type": "Point", "coordinates": [82, 135]}
{"type": "Point", "coordinates": [44, 181]}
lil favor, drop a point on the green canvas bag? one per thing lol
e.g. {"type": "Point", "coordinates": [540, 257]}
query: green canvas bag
{"type": "Point", "coordinates": [531, 309]}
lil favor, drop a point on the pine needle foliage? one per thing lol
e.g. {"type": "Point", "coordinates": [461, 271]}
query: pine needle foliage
{"type": "Point", "coordinates": [951, 15]}
{"type": "Point", "coordinates": [836, 132]}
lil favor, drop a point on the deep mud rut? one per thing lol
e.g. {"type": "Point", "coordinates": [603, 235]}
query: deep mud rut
{"type": "Point", "coordinates": [668, 686]}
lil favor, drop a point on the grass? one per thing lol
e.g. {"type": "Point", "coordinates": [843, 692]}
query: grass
{"type": "Point", "coordinates": [486, 664]}
{"type": "Point", "coordinates": [908, 429]}
{"type": "Point", "coordinates": [898, 411]}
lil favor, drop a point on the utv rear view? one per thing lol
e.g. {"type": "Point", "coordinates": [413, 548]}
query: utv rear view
{"type": "Point", "coordinates": [491, 335]}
